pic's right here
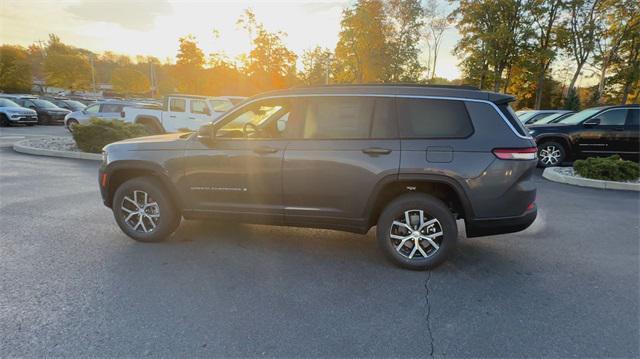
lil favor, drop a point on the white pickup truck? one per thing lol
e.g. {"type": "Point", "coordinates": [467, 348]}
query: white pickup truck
{"type": "Point", "coordinates": [180, 112]}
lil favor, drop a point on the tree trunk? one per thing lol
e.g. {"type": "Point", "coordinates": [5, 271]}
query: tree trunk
{"type": "Point", "coordinates": [539, 85]}
{"type": "Point", "coordinates": [575, 77]}
{"type": "Point", "coordinates": [507, 81]}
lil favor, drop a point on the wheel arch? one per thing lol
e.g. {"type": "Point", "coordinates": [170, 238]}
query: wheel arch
{"type": "Point", "coordinates": [142, 119]}
{"type": "Point", "coordinates": [562, 139]}
{"type": "Point", "coordinates": [442, 187]}
{"type": "Point", "coordinates": [122, 171]}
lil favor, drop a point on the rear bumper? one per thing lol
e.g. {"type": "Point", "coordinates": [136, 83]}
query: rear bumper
{"type": "Point", "coordinates": [503, 225]}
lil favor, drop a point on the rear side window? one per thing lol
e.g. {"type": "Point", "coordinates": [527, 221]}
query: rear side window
{"type": "Point", "coordinates": [199, 107]}
{"type": "Point", "coordinates": [177, 105]}
{"type": "Point", "coordinates": [634, 117]}
{"type": "Point", "coordinates": [110, 107]}
{"type": "Point", "coordinates": [431, 118]}
{"type": "Point", "coordinates": [512, 118]}
{"type": "Point", "coordinates": [337, 118]}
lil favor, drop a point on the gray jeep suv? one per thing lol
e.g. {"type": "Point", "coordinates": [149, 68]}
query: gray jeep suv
{"type": "Point", "coordinates": [410, 160]}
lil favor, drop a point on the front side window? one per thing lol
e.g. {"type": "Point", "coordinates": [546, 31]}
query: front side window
{"type": "Point", "coordinates": [431, 118]}
{"type": "Point", "coordinates": [257, 120]}
{"type": "Point", "coordinates": [337, 118]}
{"type": "Point", "coordinates": [199, 107]}
{"type": "Point", "coordinates": [177, 105]}
{"type": "Point", "coordinates": [613, 117]}
{"type": "Point", "coordinates": [92, 109]}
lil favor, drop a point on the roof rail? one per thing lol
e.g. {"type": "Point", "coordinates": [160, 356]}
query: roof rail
{"type": "Point", "coordinates": [456, 87]}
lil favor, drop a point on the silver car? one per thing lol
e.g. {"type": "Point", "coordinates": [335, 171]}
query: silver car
{"type": "Point", "coordinates": [105, 110]}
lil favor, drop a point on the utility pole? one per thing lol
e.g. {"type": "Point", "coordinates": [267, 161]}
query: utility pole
{"type": "Point", "coordinates": [93, 74]}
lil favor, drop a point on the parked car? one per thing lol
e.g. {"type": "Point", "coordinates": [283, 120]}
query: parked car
{"type": "Point", "coordinates": [71, 105]}
{"type": "Point", "coordinates": [181, 112]}
{"type": "Point", "coordinates": [12, 113]}
{"type": "Point", "coordinates": [409, 159]}
{"type": "Point", "coordinates": [106, 110]}
{"type": "Point", "coordinates": [48, 113]}
{"type": "Point", "coordinates": [557, 117]}
{"type": "Point", "coordinates": [532, 116]}
{"type": "Point", "coordinates": [598, 131]}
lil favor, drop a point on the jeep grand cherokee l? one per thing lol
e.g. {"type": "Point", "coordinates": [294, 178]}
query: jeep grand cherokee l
{"type": "Point", "coordinates": [408, 159]}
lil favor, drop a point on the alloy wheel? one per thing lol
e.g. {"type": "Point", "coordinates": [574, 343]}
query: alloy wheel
{"type": "Point", "coordinates": [140, 212]}
{"type": "Point", "coordinates": [416, 235]}
{"type": "Point", "coordinates": [550, 155]}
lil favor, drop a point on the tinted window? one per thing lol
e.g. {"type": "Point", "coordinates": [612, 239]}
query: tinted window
{"type": "Point", "coordinates": [199, 107]}
{"type": "Point", "coordinates": [258, 120]}
{"type": "Point", "coordinates": [426, 118]}
{"type": "Point", "coordinates": [177, 105]}
{"type": "Point", "coordinates": [384, 124]}
{"type": "Point", "coordinates": [111, 107]}
{"type": "Point", "coordinates": [634, 118]}
{"type": "Point", "coordinates": [613, 117]}
{"type": "Point", "coordinates": [338, 118]}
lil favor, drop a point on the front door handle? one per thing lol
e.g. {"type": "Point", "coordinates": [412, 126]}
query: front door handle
{"type": "Point", "coordinates": [265, 150]}
{"type": "Point", "coordinates": [376, 151]}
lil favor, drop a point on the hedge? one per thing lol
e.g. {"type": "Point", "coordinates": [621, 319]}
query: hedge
{"type": "Point", "coordinates": [96, 134]}
{"type": "Point", "coordinates": [607, 168]}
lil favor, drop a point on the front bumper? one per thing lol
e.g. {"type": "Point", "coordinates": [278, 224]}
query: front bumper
{"type": "Point", "coordinates": [24, 119]}
{"type": "Point", "coordinates": [503, 225]}
{"type": "Point", "coordinates": [52, 118]}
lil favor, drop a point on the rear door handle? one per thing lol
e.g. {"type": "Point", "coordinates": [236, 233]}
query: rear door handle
{"type": "Point", "coordinates": [376, 151]}
{"type": "Point", "coordinates": [265, 150]}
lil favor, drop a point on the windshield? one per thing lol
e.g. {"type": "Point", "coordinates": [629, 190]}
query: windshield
{"type": "Point", "coordinates": [7, 103]}
{"type": "Point", "coordinates": [75, 105]}
{"type": "Point", "coordinates": [525, 116]}
{"type": "Point", "coordinates": [220, 105]}
{"type": "Point", "coordinates": [576, 118]}
{"type": "Point", "coordinates": [551, 118]}
{"type": "Point", "coordinates": [43, 103]}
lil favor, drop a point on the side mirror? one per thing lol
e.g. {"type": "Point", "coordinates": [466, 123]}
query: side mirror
{"type": "Point", "coordinates": [206, 132]}
{"type": "Point", "coordinates": [592, 122]}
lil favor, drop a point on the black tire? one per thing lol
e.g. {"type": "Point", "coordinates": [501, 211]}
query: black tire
{"type": "Point", "coordinates": [551, 153]}
{"type": "Point", "coordinates": [433, 209]}
{"type": "Point", "coordinates": [70, 123]}
{"type": "Point", "coordinates": [169, 216]}
{"type": "Point", "coordinates": [4, 121]}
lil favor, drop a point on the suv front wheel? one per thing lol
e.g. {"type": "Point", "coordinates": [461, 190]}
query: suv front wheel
{"type": "Point", "coordinates": [144, 211]}
{"type": "Point", "coordinates": [550, 154]}
{"type": "Point", "coordinates": [417, 231]}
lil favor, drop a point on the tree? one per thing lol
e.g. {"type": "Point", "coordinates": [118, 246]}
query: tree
{"type": "Point", "coordinates": [545, 14]}
{"type": "Point", "coordinates": [406, 22]}
{"type": "Point", "coordinates": [583, 33]}
{"type": "Point", "coordinates": [15, 71]}
{"type": "Point", "coordinates": [572, 101]}
{"type": "Point", "coordinates": [361, 54]}
{"type": "Point", "coordinates": [188, 70]}
{"type": "Point", "coordinates": [435, 26]}
{"type": "Point", "coordinates": [69, 71]}
{"type": "Point", "coordinates": [316, 66]}
{"type": "Point", "coordinates": [271, 64]}
{"type": "Point", "coordinates": [126, 80]}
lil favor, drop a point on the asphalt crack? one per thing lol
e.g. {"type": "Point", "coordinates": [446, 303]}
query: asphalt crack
{"type": "Point", "coordinates": [428, 317]}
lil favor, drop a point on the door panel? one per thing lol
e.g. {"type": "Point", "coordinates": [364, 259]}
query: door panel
{"type": "Point", "coordinates": [631, 147]}
{"type": "Point", "coordinates": [177, 114]}
{"type": "Point", "coordinates": [199, 113]}
{"type": "Point", "coordinates": [348, 145]}
{"type": "Point", "coordinates": [604, 139]}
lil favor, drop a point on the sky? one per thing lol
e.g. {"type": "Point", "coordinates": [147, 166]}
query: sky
{"type": "Point", "coordinates": [153, 27]}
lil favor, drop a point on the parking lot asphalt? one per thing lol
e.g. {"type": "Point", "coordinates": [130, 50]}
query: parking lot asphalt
{"type": "Point", "coordinates": [9, 135]}
{"type": "Point", "coordinates": [73, 285]}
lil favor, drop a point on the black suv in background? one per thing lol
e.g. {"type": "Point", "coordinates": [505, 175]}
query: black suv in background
{"type": "Point", "coordinates": [597, 131]}
{"type": "Point", "coordinates": [48, 113]}
{"type": "Point", "coordinates": [411, 160]}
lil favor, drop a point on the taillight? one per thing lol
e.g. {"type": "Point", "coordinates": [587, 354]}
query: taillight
{"type": "Point", "coordinates": [516, 153]}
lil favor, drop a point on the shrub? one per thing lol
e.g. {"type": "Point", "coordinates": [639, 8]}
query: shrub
{"type": "Point", "coordinates": [98, 133]}
{"type": "Point", "coordinates": [607, 168]}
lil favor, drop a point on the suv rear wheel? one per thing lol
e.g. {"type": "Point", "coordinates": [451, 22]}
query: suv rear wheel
{"type": "Point", "coordinates": [144, 211]}
{"type": "Point", "coordinates": [417, 231]}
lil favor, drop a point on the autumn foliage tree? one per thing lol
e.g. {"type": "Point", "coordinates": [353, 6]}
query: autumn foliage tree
{"type": "Point", "coordinates": [189, 66]}
{"type": "Point", "coordinates": [126, 80]}
{"type": "Point", "coordinates": [15, 71]}
{"type": "Point", "coordinates": [271, 64]}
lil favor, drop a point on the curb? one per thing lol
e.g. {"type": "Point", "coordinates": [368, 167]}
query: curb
{"type": "Point", "coordinates": [552, 174]}
{"type": "Point", "coordinates": [23, 148]}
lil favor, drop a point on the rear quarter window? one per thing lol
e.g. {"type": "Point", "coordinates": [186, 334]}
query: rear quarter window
{"type": "Point", "coordinates": [432, 118]}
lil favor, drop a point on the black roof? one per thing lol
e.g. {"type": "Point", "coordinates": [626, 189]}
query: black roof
{"type": "Point", "coordinates": [467, 92]}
